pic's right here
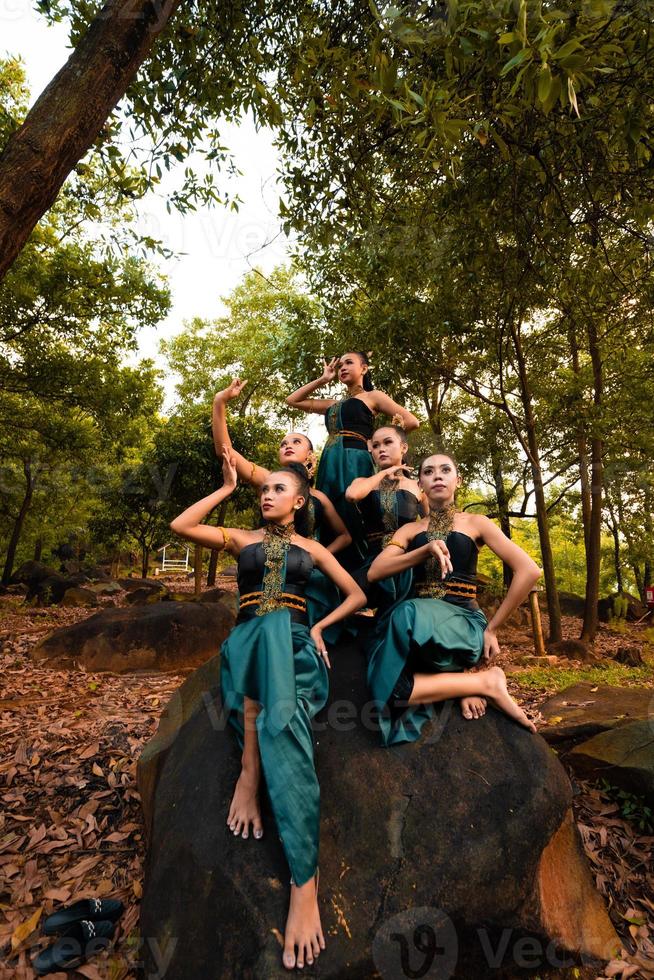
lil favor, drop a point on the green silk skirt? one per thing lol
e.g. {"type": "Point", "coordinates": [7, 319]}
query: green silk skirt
{"type": "Point", "coordinates": [337, 469]}
{"type": "Point", "coordinates": [274, 661]}
{"type": "Point", "coordinates": [428, 636]}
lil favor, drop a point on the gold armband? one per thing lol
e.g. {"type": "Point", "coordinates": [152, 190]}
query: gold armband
{"type": "Point", "coordinates": [225, 536]}
{"type": "Point", "coordinates": [252, 472]}
{"type": "Point", "coordinates": [397, 420]}
{"type": "Point", "coordinates": [397, 544]}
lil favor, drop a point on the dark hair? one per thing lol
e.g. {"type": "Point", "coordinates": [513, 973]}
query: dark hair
{"type": "Point", "coordinates": [399, 431]}
{"type": "Point", "coordinates": [367, 380]}
{"type": "Point", "coordinates": [439, 452]}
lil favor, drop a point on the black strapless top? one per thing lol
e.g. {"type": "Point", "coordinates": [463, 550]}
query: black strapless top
{"type": "Point", "coordinates": [251, 562]}
{"type": "Point", "coordinates": [352, 415]}
{"type": "Point", "coordinates": [463, 555]}
{"type": "Point", "coordinates": [380, 520]}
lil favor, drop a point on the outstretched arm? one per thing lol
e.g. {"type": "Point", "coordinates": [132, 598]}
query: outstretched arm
{"type": "Point", "coordinates": [247, 471]}
{"type": "Point", "coordinates": [299, 398]}
{"type": "Point", "coordinates": [342, 536]}
{"type": "Point", "coordinates": [384, 403]}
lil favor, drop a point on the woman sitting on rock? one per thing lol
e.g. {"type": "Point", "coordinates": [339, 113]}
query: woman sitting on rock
{"type": "Point", "coordinates": [424, 644]}
{"type": "Point", "coordinates": [273, 675]}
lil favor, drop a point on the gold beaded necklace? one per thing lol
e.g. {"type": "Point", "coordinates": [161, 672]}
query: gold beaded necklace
{"type": "Point", "coordinates": [441, 522]}
{"type": "Point", "coordinates": [276, 542]}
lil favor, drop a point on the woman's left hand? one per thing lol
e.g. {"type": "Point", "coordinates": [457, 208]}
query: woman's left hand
{"type": "Point", "coordinates": [316, 636]}
{"type": "Point", "coordinates": [230, 476]}
{"type": "Point", "coordinates": [491, 645]}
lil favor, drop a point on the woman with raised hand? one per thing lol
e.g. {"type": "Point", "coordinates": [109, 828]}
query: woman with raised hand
{"type": "Point", "coordinates": [273, 674]}
{"type": "Point", "coordinates": [425, 644]}
{"type": "Point", "coordinates": [386, 501]}
{"type": "Point", "coordinates": [318, 519]}
{"type": "Point", "coordinates": [350, 423]}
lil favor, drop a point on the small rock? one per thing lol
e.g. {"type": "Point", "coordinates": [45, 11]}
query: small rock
{"type": "Point", "coordinates": [77, 596]}
{"type": "Point", "coordinates": [585, 709]}
{"type": "Point", "coordinates": [573, 650]}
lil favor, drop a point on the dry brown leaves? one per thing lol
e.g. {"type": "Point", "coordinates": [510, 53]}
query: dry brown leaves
{"type": "Point", "coordinates": [71, 823]}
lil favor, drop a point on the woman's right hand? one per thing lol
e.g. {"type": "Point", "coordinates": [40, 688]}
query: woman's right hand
{"type": "Point", "coordinates": [397, 472]}
{"type": "Point", "coordinates": [330, 369]}
{"type": "Point", "coordinates": [439, 550]}
{"type": "Point", "coordinates": [231, 391]}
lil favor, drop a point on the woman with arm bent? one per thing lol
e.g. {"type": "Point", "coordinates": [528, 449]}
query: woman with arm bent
{"type": "Point", "coordinates": [386, 501]}
{"type": "Point", "coordinates": [273, 675]}
{"type": "Point", "coordinates": [318, 519]}
{"type": "Point", "coordinates": [349, 423]}
{"type": "Point", "coordinates": [424, 645]}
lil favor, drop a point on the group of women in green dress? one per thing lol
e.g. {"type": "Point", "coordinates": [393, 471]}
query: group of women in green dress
{"type": "Point", "coordinates": [357, 530]}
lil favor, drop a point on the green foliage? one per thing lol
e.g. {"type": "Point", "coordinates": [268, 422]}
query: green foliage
{"type": "Point", "coordinates": [632, 807]}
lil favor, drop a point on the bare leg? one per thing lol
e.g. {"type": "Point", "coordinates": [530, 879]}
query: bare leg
{"type": "Point", "coordinates": [244, 808]}
{"type": "Point", "coordinates": [473, 707]}
{"type": "Point", "coordinates": [303, 928]}
{"type": "Point", "coordinates": [489, 683]}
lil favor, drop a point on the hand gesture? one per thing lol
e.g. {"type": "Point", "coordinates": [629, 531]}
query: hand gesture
{"type": "Point", "coordinates": [330, 369]}
{"type": "Point", "coordinates": [316, 636]}
{"type": "Point", "coordinates": [439, 550]}
{"type": "Point", "coordinates": [233, 390]}
{"type": "Point", "coordinates": [397, 472]}
{"type": "Point", "coordinates": [229, 468]}
{"type": "Point", "coordinates": [491, 645]}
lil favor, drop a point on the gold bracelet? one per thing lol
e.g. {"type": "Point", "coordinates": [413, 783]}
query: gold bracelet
{"type": "Point", "coordinates": [396, 543]}
{"type": "Point", "coordinates": [226, 536]}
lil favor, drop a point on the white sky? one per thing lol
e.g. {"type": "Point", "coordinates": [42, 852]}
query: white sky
{"type": "Point", "coordinates": [220, 245]}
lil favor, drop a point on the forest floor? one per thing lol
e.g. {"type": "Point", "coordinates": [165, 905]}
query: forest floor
{"type": "Point", "coordinates": [71, 824]}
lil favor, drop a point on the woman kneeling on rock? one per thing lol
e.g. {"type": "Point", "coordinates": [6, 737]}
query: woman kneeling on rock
{"type": "Point", "coordinates": [273, 675]}
{"type": "Point", "coordinates": [423, 644]}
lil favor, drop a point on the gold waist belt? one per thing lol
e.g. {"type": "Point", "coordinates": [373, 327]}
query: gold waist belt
{"type": "Point", "coordinates": [348, 434]}
{"type": "Point", "coordinates": [435, 589]}
{"type": "Point", "coordinates": [287, 599]}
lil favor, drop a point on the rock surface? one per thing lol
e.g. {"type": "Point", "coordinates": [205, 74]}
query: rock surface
{"type": "Point", "coordinates": [465, 839]}
{"type": "Point", "coordinates": [586, 709]}
{"type": "Point", "coordinates": [77, 595]}
{"type": "Point", "coordinates": [624, 756]}
{"type": "Point", "coordinates": [168, 636]}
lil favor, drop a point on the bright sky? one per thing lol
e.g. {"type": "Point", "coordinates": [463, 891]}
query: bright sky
{"type": "Point", "coordinates": [220, 245]}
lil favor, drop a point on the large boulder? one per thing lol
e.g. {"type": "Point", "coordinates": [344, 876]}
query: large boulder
{"type": "Point", "coordinates": [463, 843]}
{"type": "Point", "coordinates": [76, 595]}
{"type": "Point", "coordinates": [170, 636]}
{"type": "Point", "coordinates": [585, 709]}
{"type": "Point", "coordinates": [624, 756]}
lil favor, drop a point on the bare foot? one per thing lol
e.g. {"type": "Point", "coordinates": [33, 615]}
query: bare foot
{"type": "Point", "coordinates": [498, 693]}
{"type": "Point", "coordinates": [244, 808]}
{"type": "Point", "coordinates": [473, 707]}
{"type": "Point", "coordinates": [303, 929]}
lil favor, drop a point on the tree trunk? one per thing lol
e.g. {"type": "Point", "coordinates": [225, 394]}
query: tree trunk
{"type": "Point", "coordinates": [582, 449]}
{"type": "Point", "coordinates": [30, 479]}
{"type": "Point", "coordinates": [38, 549]}
{"type": "Point", "coordinates": [547, 556]}
{"type": "Point", "coordinates": [615, 534]}
{"type": "Point", "coordinates": [503, 511]}
{"type": "Point", "coordinates": [594, 540]}
{"type": "Point", "coordinates": [69, 114]}
{"type": "Point", "coordinates": [145, 560]}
